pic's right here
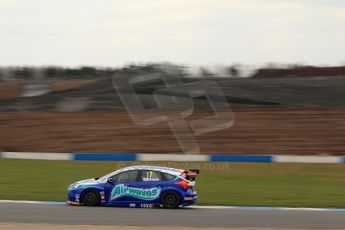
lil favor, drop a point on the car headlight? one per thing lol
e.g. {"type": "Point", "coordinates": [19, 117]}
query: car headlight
{"type": "Point", "coordinates": [74, 186]}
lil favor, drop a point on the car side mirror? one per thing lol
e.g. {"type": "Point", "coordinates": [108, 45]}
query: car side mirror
{"type": "Point", "coordinates": [110, 180]}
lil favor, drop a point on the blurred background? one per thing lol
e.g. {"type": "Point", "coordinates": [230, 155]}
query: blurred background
{"type": "Point", "coordinates": [279, 64]}
{"type": "Point", "coordinates": [281, 110]}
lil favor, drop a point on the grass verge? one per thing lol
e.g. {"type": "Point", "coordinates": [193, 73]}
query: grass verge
{"type": "Point", "coordinates": [253, 184]}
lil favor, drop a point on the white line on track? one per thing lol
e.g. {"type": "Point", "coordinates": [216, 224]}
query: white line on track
{"type": "Point", "coordinates": [250, 208]}
{"type": "Point", "coordinates": [31, 202]}
{"type": "Point", "coordinates": [262, 208]}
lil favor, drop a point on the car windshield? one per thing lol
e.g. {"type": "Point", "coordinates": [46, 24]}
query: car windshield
{"type": "Point", "coordinates": [104, 178]}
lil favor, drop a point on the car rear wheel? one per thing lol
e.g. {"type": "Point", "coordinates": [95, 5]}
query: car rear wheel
{"type": "Point", "coordinates": [91, 198]}
{"type": "Point", "coordinates": [170, 200]}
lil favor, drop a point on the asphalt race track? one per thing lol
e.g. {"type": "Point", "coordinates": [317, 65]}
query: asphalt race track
{"type": "Point", "coordinates": [205, 217]}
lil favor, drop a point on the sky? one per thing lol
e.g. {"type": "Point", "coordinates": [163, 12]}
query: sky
{"type": "Point", "coordinates": [190, 32]}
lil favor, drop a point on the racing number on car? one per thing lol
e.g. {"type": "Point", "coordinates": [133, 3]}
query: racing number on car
{"type": "Point", "coordinates": [150, 176]}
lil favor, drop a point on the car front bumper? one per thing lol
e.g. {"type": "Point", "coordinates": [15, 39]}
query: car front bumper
{"type": "Point", "coordinates": [73, 197]}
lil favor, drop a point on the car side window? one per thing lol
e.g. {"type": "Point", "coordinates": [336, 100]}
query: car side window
{"type": "Point", "coordinates": [167, 176]}
{"type": "Point", "coordinates": [150, 175]}
{"type": "Point", "coordinates": [129, 176]}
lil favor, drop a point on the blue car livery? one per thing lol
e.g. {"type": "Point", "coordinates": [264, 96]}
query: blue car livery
{"type": "Point", "coordinates": [137, 186]}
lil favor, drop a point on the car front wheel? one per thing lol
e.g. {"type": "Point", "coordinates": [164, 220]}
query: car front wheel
{"type": "Point", "coordinates": [91, 198]}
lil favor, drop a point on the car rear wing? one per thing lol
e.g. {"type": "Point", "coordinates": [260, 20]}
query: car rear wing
{"type": "Point", "coordinates": [191, 174]}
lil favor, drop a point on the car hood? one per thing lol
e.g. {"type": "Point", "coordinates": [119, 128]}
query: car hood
{"type": "Point", "coordinates": [87, 181]}
{"type": "Point", "coordinates": [81, 183]}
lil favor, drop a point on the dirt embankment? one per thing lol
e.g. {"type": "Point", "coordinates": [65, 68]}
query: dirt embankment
{"type": "Point", "coordinates": [302, 71]}
{"type": "Point", "coordinates": [9, 90]}
{"type": "Point", "coordinates": [255, 131]}
{"type": "Point", "coordinates": [64, 85]}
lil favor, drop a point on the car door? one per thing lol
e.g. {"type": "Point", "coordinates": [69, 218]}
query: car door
{"type": "Point", "coordinates": [121, 188]}
{"type": "Point", "coordinates": [150, 185]}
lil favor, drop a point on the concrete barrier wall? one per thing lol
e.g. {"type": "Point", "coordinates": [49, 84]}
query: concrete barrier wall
{"type": "Point", "coordinates": [172, 157]}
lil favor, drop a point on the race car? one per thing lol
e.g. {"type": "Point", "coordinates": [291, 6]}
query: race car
{"type": "Point", "coordinates": [137, 186]}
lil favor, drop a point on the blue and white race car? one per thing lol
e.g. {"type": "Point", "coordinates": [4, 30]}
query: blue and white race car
{"type": "Point", "coordinates": [137, 186]}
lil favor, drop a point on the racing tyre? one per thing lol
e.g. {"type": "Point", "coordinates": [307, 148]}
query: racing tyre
{"type": "Point", "coordinates": [170, 200]}
{"type": "Point", "coordinates": [91, 198]}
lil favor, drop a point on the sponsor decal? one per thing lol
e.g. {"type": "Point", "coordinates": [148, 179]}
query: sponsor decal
{"type": "Point", "coordinates": [146, 205]}
{"type": "Point", "coordinates": [101, 193]}
{"type": "Point", "coordinates": [139, 193]}
{"type": "Point", "coordinates": [77, 196]}
{"type": "Point", "coordinates": [150, 179]}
